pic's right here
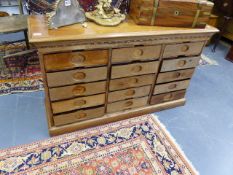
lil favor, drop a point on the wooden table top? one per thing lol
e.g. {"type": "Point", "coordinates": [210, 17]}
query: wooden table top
{"type": "Point", "coordinates": [12, 24]}
{"type": "Point", "coordinates": [39, 32]}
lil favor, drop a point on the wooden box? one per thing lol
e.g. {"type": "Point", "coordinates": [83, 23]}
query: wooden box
{"type": "Point", "coordinates": [171, 13]}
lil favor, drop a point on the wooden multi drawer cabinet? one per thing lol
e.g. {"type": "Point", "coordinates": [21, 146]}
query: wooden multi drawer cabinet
{"type": "Point", "coordinates": [97, 75]}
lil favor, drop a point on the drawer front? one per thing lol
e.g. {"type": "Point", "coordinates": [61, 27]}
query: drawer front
{"type": "Point", "coordinates": [136, 53]}
{"type": "Point", "coordinates": [129, 93]}
{"type": "Point", "coordinates": [182, 63]}
{"type": "Point", "coordinates": [69, 60]}
{"type": "Point", "coordinates": [130, 82]}
{"type": "Point", "coordinates": [134, 69]}
{"type": "Point", "coordinates": [78, 103]}
{"type": "Point", "coordinates": [169, 87]}
{"type": "Point", "coordinates": [184, 49]}
{"type": "Point", "coordinates": [76, 76]}
{"type": "Point", "coordinates": [162, 98]}
{"type": "Point", "coordinates": [128, 104]}
{"type": "Point", "coordinates": [174, 76]}
{"type": "Point", "coordinates": [77, 116]}
{"type": "Point", "coordinates": [77, 90]}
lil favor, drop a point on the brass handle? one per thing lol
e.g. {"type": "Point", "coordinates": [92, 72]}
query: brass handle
{"type": "Point", "coordinates": [134, 80]}
{"type": "Point", "coordinates": [79, 75]}
{"type": "Point", "coordinates": [138, 52]}
{"type": "Point", "coordinates": [184, 48]}
{"type": "Point", "coordinates": [181, 63]}
{"type": "Point", "coordinates": [177, 74]}
{"type": "Point", "coordinates": [81, 115]}
{"type": "Point", "coordinates": [137, 68]}
{"type": "Point", "coordinates": [130, 93]}
{"type": "Point", "coordinates": [77, 59]}
{"type": "Point", "coordinates": [78, 90]}
{"type": "Point", "coordinates": [168, 97]}
{"type": "Point", "coordinates": [172, 86]}
{"type": "Point", "coordinates": [128, 103]}
{"type": "Point", "coordinates": [80, 102]}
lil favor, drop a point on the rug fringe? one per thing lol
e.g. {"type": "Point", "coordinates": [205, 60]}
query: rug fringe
{"type": "Point", "coordinates": [178, 147]}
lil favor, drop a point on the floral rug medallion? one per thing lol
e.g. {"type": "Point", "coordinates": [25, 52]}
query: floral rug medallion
{"type": "Point", "coordinates": [137, 146]}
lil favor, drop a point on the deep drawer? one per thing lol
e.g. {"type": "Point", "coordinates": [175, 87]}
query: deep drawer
{"type": "Point", "coordinates": [124, 83]}
{"type": "Point", "coordinates": [162, 98]}
{"type": "Point", "coordinates": [68, 60]}
{"type": "Point", "coordinates": [134, 69]}
{"type": "Point", "coordinates": [136, 53]}
{"type": "Point", "coordinates": [77, 116]}
{"type": "Point", "coordinates": [78, 103]}
{"type": "Point", "coordinates": [181, 63]}
{"type": "Point", "coordinates": [76, 76]}
{"type": "Point", "coordinates": [128, 104]}
{"type": "Point", "coordinates": [183, 49]}
{"type": "Point", "coordinates": [77, 90]}
{"type": "Point", "coordinates": [169, 87]}
{"type": "Point", "coordinates": [174, 76]}
{"type": "Point", "coordinates": [129, 93]}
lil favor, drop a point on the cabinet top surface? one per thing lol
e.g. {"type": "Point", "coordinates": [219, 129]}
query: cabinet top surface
{"type": "Point", "coordinates": [38, 31]}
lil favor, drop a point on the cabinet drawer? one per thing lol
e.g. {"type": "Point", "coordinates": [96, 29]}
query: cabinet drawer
{"type": "Point", "coordinates": [168, 87]}
{"type": "Point", "coordinates": [77, 116]}
{"type": "Point", "coordinates": [183, 49]}
{"type": "Point", "coordinates": [134, 69]}
{"type": "Point", "coordinates": [69, 60]}
{"type": "Point", "coordinates": [130, 82]}
{"type": "Point", "coordinates": [136, 53]}
{"type": "Point", "coordinates": [129, 93]}
{"type": "Point", "coordinates": [76, 76]}
{"type": "Point", "coordinates": [181, 63]}
{"type": "Point", "coordinates": [77, 90]}
{"type": "Point", "coordinates": [128, 104]}
{"type": "Point", "coordinates": [176, 75]}
{"type": "Point", "coordinates": [167, 97]}
{"type": "Point", "coordinates": [78, 103]}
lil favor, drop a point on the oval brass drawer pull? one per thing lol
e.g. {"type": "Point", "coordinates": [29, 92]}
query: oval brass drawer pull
{"type": "Point", "coordinates": [128, 103]}
{"type": "Point", "coordinates": [78, 59]}
{"type": "Point", "coordinates": [138, 52]}
{"type": "Point", "coordinates": [168, 97]}
{"type": "Point", "coordinates": [81, 115]}
{"type": "Point", "coordinates": [172, 86]}
{"type": "Point", "coordinates": [177, 74]}
{"type": "Point", "coordinates": [78, 90]}
{"type": "Point", "coordinates": [181, 63]}
{"type": "Point", "coordinates": [130, 93]}
{"type": "Point", "coordinates": [79, 75]}
{"type": "Point", "coordinates": [184, 48]}
{"type": "Point", "coordinates": [137, 68]}
{"type": "Point", "coordinates": [80, 102]}
{"type": "Point", "coordinates": [134, 80]}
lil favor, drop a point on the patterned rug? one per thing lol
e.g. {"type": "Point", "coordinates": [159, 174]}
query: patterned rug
{"type": "Point", "coordinates": [205, 60]}
{"type": "Point", "coordinates": [137, 146]}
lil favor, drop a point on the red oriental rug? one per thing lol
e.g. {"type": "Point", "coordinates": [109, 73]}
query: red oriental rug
{"type": "Point", "coordinates": [137, 146]}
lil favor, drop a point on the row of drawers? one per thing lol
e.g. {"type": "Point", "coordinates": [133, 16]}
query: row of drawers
{"type": "Point", "coordinates": [93, 58]}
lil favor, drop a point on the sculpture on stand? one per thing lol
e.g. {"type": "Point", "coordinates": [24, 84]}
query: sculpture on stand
{"type": "Point", "coordinates": [105, 14]}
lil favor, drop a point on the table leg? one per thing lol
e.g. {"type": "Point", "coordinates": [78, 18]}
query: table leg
{"type": "Point", "coordinates": [230, 54]}
{"type": "Point", "coordinates": [26, 39]}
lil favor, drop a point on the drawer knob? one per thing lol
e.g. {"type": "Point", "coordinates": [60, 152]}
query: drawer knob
{"type": "Point", "coordinates": [81, 115]}
{"type": "Point", "coordinates": [78, 59]}
{"type": "Point", "coordinates": [79, 76]}
{"type": "Point", "coordinates": [168, 97]}
{"type": "Point", "coordinates": [78, 90]}
{"type": "Point", "coordinates": [177, 74]}
{"type": "Point", "coordinates": [184, 48]}
{"type": "Point", "coordinates": [172, 86]}
{"type": "Point", "coordinates": [130, 93]}
{"type": "Point", "coordinates": [128, 103]}
{"type": "Point", "coordinates": [80, 102]}
{"type": "Point", "coordinates": [134, 80]}
{"type": "Point", "coordinates": [138, 52]}
{"type": "Point", "coordinates": [137, 68]}
{"type": "Point", "coordinates": [181, 63]}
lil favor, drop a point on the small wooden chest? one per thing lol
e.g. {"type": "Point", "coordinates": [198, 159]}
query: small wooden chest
{"type": "Point", "coordinates": [171, 13]}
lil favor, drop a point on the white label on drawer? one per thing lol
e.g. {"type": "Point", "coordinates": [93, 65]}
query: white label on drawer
{"type": "Point", "coordinates": [67, 3]}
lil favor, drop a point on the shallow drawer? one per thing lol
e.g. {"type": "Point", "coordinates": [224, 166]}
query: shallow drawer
{"type": "Point", "coordinates": [76, 76]}
{"type": "Point", "coordinates": [128, 104]}
{"type": "Point", "coordinates": [134, 69]}
{"type": "Point", "coordinates": [183, 49]}
{"type": "Point", "coordinates": [169, 87]}
{"type": "Point", "coordinates": [129, 93]}
{"type": "Point", "coordinates": [78, 103]}
{"type": "Point", "coordinates": [176, 75]}
{"type": "Point", "coordinates": [77, 116]}
{"type": "Point", "coordinates": [181, 63]}
{"type": "Point", "coordinates": [136, 53]}
{"type": "Point", "coordinates": [167, 97]}
{"type": "Point", "coordinates": [68, 60]}
{"type": "Point", "coordinates": [130, 82]}
{"type": "Point", "coordinates": [77, 90]}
